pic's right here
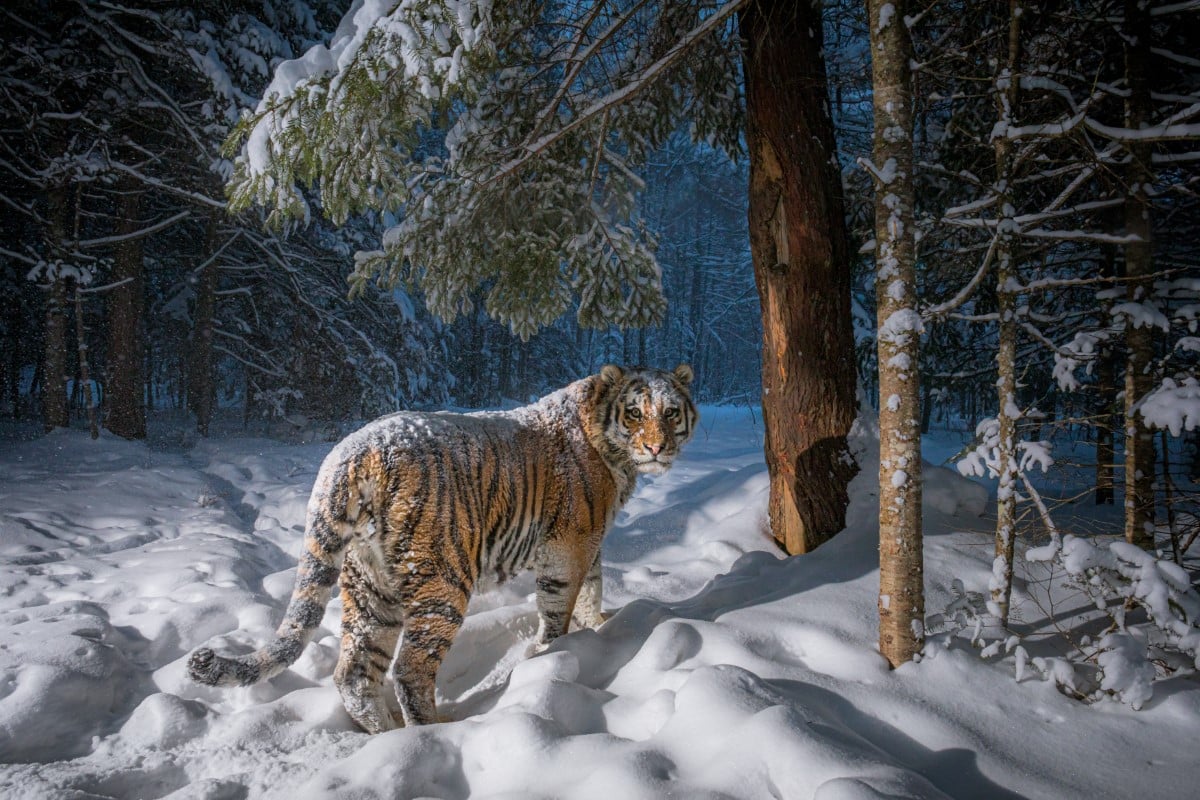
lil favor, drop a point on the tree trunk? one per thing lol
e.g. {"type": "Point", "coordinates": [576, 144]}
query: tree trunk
{"type": "Point", "coordinates": [126, 407]}
{"type": "Point", "coordinates": [55, 407]}
{"type": "Point", "coordinates": [85, 375]}
{"type": "Point", "coordinates": [1006, 358]}
{"type": "Point", "coordinates": [1106, 390]}
{"type": "Point", "coordinates": [200, 386]}
{"type": "Point", "coordinates": [1139, 267]}
{"type": "Point", "coordinates": [801, 267]}
{"type": "Point", "coordinates": [926, 405]}
{"type": "Point", "coordinates": [901, 563]}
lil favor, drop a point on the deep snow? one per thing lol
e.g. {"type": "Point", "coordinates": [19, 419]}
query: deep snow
{"type": "Point", "coordinates": [726, 671]}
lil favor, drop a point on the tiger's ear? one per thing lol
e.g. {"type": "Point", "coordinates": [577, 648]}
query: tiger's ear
{"type": "Point", "coordinates": [684, 374]}
{"type": "Point", "coordinates": [611, 373]}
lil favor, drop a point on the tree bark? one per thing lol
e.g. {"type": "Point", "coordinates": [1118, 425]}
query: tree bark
{"type": "Point", "coordinates": [85, 375]}
{"type": "Point", "coordinates": [1106, 390]}
{"type": "Point", "coordinates": [1139, 268]}
{"type": "Point", "coordinates": [1006, 301]}
{"type": "Point", "coordinates": [126, 409]}
{"type": "Point", "coordinates": [901, 563]}
{"type": "Point", "coordinates": [55, 407]}
{"type": "Point", "coordinates": [200, 387]}
{"type": "Point", "coordinates": [800, 251]}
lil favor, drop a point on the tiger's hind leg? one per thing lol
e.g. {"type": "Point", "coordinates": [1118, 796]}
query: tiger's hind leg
{"type": "Point", "coordinates": [432, 617]}
{"type": "Point", "coordinates": [369, 639]}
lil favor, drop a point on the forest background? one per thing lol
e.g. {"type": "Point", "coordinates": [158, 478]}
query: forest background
{"type": "Point", "coordinates": [1053, 209]}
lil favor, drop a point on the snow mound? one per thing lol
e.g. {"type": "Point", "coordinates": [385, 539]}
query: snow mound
{"type": "Point", "coordinates": [725, 671]}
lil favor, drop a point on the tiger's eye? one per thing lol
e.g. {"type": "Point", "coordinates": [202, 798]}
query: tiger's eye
{"type": "Point", "coordinates": [633, 413]}
{"type": "Point", "coordinates": [671, 413]}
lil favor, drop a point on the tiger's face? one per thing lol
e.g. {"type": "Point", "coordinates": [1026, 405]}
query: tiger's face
{"type": "Point", "coordinates": [652, 415]}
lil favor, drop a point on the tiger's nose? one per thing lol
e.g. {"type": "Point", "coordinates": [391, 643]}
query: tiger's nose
{"type": "Point", "coordinates": [654, 449]}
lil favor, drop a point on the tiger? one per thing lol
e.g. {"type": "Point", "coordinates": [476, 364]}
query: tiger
{"type": "Point", "coordinates": [410, 512]}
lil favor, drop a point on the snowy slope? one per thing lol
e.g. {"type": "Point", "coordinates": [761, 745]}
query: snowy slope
{"type": "Point", "coordinates": [725, 671]}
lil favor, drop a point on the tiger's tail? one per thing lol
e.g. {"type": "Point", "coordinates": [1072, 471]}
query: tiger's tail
{"type": "Point", "coordinates": [315, 577]}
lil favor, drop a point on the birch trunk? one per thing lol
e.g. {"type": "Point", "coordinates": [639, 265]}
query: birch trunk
{"type": "Point", "coordinates": [801, 260]}
{"type": "Point", "coordinates": [1006, 301]}
{"type": "Point", "coordinates": [901, 563]}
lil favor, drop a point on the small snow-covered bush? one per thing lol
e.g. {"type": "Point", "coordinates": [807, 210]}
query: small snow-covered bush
{"type": "Point", "coordinates": [1147, 607]}
{"type": "Point", "coordinates": [1153, 610]}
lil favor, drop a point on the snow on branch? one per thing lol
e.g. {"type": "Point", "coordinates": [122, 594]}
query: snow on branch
{"type": "Point", "coordinates": [1173, 406]}
{"type": "Point", "coordinates": [1117, 577]}
{"type": "Point", "coordinates": [983, 458]}
{"type": "Point", "coordinates": [104, 241]}
{"type": "Point", "coordinates": [617, 97]}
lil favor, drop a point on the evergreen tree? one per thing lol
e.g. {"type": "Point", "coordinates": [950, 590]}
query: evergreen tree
{"type": "Point", "coordinates": [529, 191]}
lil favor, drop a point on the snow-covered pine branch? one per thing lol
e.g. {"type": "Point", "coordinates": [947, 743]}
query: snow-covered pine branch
{"type": "Point", "coordinates": [505, 161]}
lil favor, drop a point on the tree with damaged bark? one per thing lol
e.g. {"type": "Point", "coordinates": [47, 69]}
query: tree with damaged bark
{"type": "Point", "coordinates": [511, 150]}
{"type": "Point", "coordinates": [802, 268]}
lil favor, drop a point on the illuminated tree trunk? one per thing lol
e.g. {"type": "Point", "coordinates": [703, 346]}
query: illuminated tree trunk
{"type": "Point", "coordinates": [901, 565]}
{"type": "Point", "coordinates": [1006, 303]}
{"type": "Point", "coordinates": [801, 266]}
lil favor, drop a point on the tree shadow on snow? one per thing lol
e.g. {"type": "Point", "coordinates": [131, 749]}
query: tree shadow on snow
{"type": "Point", "coordinates": [631, 539]}
{"type": "Point", "coordinates": [953, 770]}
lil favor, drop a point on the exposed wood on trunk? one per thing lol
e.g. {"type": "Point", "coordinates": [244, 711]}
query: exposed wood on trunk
{"type": "Point", "coordinates": [801, 265]}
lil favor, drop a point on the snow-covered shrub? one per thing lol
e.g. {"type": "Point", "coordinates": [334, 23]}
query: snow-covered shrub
{"type": "Point", "coordinates": [1154, 616]}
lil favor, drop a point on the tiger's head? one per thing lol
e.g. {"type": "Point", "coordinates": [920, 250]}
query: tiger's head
{"type": "Point", "coordinates": [649, 414]}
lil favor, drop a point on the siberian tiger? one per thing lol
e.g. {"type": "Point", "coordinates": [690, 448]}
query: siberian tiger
{"type": "Point", "coordinates": [414, 508]}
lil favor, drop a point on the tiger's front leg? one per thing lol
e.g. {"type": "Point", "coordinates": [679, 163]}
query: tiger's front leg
{"type": "Point", "coordinates": [560, 575]}
{"type": "Point", "coordinates": [587, 605]}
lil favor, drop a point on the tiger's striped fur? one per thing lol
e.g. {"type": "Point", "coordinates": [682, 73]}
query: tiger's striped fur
{"type": "Point", "coordinates": [413, 509]}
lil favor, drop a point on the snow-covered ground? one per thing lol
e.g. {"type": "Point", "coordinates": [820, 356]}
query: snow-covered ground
{"type": "Point", "coordinates": [725, 671]}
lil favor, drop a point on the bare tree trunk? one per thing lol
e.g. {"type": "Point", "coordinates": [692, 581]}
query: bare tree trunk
{"type": "Point", "coordinates": [901, 563]}
{"type": "Point", "coordinates": [55, 408]}
{"type": "Point", "coordinates": [201, 391]}
{"type": "Point", "coordinates": [1006, 301]}
{"type": "Point", "coordinates": [126, 407]}
{"type": "Point", "coordinates": [801, 266]}
{"type": "Point", "coordinates": [14, 361]}
{"type": "Point", "coordinates": [1139, 267]}
{"type": "Point", "coordinates": [85, 375]}
{"type": "Point", "coordinates": [926, 406]}
{"type": "Point", "coordinates": [1106, 390]}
